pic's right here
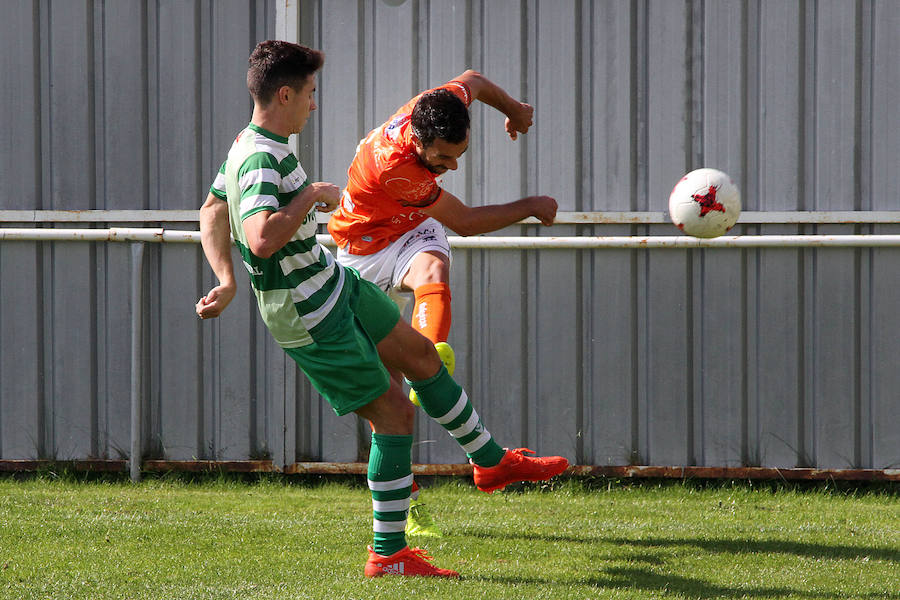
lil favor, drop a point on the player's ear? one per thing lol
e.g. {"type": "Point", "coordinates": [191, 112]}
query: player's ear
{"type": "Point", "coordinates": [416, 142]}
{"type": "Point", "coordinates": [284, 94]}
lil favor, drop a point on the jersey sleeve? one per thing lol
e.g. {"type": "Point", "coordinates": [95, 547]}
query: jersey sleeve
{"type": "Point", "coordinates": [410, 185]}
{"type": "Point", "coordinates": [217, 188]}
{"type": "Point", "coordinates": [259, 180]}
{"type": "Point", "coordinates": [460, 90]}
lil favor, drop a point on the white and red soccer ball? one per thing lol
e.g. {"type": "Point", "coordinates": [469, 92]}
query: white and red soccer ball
{"type": "Point", "coordinates": [705, 203]}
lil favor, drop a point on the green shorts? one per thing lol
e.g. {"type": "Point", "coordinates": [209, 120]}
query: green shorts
{"type": "Point", "coordinates": [343, 363]}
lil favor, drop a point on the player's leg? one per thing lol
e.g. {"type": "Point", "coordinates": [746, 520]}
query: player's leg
{"type": "Point", "coordinates": [419, 520]}
{"type": "Point", "coordinates": [390, 479]}
{"type": "Point", "coordinates": [378, 268]}
{"type": "Point", "coordinates": [447, 403]}
{"type": "Point", "coordinates": [344, 366]}
{"type": "Point", "coordinates": [429, 278]}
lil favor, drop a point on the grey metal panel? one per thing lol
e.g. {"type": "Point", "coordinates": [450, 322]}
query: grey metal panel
{"type": "Point", "coordinates": [114, 309]}
{"type": "Point", "coordinates": [717, 361]}
{"type": "Point", "coordinates": [21, 353]}
{"type": "Point", "coordinates": [71, 350]}
{"type": "Point", "coordinates": [775, 357]}
{"type": "Point", "coordinates": [885, 115]}
{"type": "Point", "coordinates": [340, 101]}
{"type": "Point", "coordinates": [552, 338]}
{"type": "Point", "coordinates": [836, 367]}
{"type": "Point", "coordinates": [608, 103]}
{"type": "Point", "coordinates": [779, 114]}
{"type": "Point", "coordinates": [883, 403]}
{"type": "Point", "coordinates": [778, 353]}
{"type": "Point", "coordinates": [20, 94]}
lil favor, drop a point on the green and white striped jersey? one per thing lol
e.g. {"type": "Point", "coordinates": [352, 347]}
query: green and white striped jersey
{"type": "Point", "coordinates": [298, 287]}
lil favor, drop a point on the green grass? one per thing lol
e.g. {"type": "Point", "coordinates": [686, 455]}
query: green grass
{"type": "Point", "coordinates": [274, 537]}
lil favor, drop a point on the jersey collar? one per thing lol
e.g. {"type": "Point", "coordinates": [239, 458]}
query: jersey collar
{"type": "Point", "coordinates": [267, 133]}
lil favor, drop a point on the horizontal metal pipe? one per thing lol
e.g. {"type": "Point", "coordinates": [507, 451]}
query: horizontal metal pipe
{"type": "Point", "coordinates": [113, 234]}
{"type": "Point", "coordinates": [124, 234]}
{"type": "Point", "coordinates": [676, 241]}
{"type": "Point", "coordinates": [461, 470]}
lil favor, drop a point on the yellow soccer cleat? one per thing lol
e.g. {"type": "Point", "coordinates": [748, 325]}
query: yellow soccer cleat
{"type": "Point", "coordinates": [419, 522]}
{"type": "Point", "coordinates": [448, 357]}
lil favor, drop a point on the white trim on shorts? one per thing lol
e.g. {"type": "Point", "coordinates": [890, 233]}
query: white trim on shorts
{"type": "Point", "coordinates": [387, 267]}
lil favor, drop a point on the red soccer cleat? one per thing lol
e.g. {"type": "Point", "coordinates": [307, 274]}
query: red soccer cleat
{"type": "Point", "coordinates": [515, 466]}
{"type": "Point", "coordinates": [409, 562]}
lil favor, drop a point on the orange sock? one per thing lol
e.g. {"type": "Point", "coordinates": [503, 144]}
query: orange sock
{"type": "Point", "coordinates": [431, 312]}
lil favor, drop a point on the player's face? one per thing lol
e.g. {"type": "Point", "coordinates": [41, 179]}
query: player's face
{"type": "Point", "coordinates": [441, 156]}
{"type": "Point", "coordinates": [302, 103]}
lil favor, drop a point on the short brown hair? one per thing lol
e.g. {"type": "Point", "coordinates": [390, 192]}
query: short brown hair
{"type": "Point", "coordinates": [275, 63]}
{"type": "Point", "coordinates": [440, 114]}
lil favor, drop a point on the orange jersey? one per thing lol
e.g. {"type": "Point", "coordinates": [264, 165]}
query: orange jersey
{"type": "Point", "coordinates": [387, 185]}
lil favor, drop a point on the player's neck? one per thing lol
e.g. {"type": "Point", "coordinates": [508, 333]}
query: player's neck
{"type": "Point", "coordinates": [270, 120]}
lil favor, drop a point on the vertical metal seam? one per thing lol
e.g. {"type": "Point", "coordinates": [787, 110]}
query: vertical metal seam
{"type": "Point", "coordinates": [48, 373]}
{"type": "Point", "coordinates": [580, 193]}
{"type": "Point", "coordinates": [862, 268]}
{"type": "Point", "coordinates": [95, 176]}
{"type": "Point", "coordinates": [530, 262]}
{"type": "Point", "coordinates": [39, 190]}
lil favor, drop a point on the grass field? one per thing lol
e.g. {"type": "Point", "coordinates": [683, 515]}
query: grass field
{"type": "Point", "coordinates": [274, 537]}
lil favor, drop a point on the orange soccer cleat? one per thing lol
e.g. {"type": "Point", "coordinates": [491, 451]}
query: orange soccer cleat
{"type": "Point", "coordinates": [515, 466]}
{"type": "Point", "coordinates": [409, 562]}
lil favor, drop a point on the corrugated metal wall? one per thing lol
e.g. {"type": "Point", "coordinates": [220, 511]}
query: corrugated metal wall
{"type": "Point", "coordinates": [774, 357]}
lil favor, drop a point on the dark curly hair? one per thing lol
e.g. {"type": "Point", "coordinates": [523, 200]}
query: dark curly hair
{"type": "Point", "coordinates": [440, 114]}
{"type": "Point", "coordinates": [275, 63]}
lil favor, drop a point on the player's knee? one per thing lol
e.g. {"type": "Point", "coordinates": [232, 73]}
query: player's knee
{"type": "Point", "coordinates": [427, 361]}
{"type": "Point", "coordinates": [421, 359]}
{"type": "Point", "coordinates": [391, 414]}
{"type": "Point", "coordinates": [428, 268]}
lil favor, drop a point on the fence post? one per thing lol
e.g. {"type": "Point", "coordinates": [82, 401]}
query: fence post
{"type": "Point", "coordinates": [137, 332]}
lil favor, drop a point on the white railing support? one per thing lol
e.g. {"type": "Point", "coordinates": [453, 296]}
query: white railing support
{"type": "Point", "coordinates": [137, 334]}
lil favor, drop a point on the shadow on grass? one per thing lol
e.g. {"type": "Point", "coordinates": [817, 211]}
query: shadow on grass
{"type": "Point", "coordinates": [668, 584]}
{"type": "Point", "coordinates": [729, 546]}
{"type": "Point", "coordinates": [650, 580]}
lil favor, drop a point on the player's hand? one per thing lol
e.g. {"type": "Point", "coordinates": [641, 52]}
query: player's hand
{"type": "Point", "coordinates": [327, 195]}
{"type": "Point", "coordinates": [520, 120]}
{"type": "Point", "coordinates": [212, 304]}
{"type": "Point", "coordinates": [543, 208]}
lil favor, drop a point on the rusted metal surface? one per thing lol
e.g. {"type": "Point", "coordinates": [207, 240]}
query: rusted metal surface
{"type": "Point", "coordinates": [462, 470]}
{"type": "Point", "coordinates": [200, 466]}
{"type": "Point", "coordinates": [658, 472]}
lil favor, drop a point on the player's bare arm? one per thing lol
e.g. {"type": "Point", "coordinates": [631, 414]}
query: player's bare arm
{"type": "Point", "coordinates": [475, 220]}
{"type": "Point", "coordinates": [519, 115]}
{"type": "Point", "coordinates": [215, 238]}
{"type": "Point", "coordinates": [268, 231]}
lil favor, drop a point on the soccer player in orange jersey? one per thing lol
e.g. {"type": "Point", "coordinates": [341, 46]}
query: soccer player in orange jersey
{"type": "Point", "coordinates": [389, 222]}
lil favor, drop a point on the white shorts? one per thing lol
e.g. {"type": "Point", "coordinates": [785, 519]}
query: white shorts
{"type": "Point", "coordinates": [387, 267]}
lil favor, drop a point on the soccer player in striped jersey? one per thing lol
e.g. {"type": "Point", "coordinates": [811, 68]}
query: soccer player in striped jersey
{"type": "Point", "coordinates": [341, 330]}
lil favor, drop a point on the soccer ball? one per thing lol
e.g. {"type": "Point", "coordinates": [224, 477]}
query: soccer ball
{"type": "Point", "coordinates": [705, 203]}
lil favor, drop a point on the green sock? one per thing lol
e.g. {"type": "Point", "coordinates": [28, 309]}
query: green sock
{"type": "Point", "coordinates": [390, 480]}
{"type": "Point", "coordinates": [446, 402]}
